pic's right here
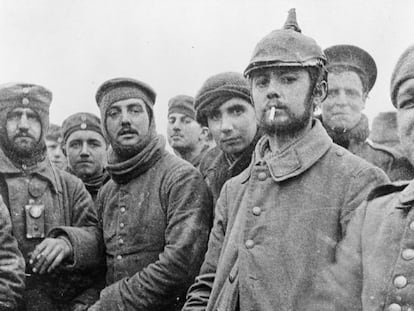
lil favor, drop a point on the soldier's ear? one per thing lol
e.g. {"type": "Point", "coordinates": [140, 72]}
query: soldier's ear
{"type": "Point", "coordinates": [204, 134]}
{"type": "Point", "coordinates": [320, 92]}
{"type": "Point", "coordinates": [64, 150]}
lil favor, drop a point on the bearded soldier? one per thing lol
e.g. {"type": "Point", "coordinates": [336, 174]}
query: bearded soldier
{"type": "Point", "coordinates": [277, 223]}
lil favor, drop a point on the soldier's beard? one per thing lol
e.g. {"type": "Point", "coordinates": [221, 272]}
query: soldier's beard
{"type": "Point", "coordinates": [289, 128]}
{"type": "Point", "coordinates": [31, 154]}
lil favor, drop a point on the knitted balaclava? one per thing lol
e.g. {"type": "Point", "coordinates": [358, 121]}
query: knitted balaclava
{"type": "Point", "coordinates": [218, 89]}
{"type": "Point", "coordinates": [118, 89]}
{"type": "Point", "coordinates": [35, 97]}
{"type": "Point", "coordinates": [404, 70]}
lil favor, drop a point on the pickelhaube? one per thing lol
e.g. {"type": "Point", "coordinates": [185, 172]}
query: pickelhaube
{"type": "Point", "coordinates": [286, 47]}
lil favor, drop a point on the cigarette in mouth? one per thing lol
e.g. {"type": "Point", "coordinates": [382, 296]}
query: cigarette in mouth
{"type": "Point", "coordinates": [272, 113]}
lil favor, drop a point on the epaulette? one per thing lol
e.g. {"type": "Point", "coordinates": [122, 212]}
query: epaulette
{"type": "Point", "coordinates": [390, 150]}
{"type": "Point", "coordinates": [382, 190]}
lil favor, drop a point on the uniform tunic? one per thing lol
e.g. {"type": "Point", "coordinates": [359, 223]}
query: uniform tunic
{"type": "Point", "coordinates": [68, 210]}
{"type": "Point", "coordinates": [155, 229]}
{"type": "Point", "coordinates": [277, 225]}
{"type": "Point", "coordinates": [375, 262]}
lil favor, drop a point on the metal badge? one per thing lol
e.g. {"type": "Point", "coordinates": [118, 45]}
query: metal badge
{"type": "Point", "coordinates": [83, 126]}
{"type": "Point", "coordinates": [35, 220]}
{"type": "Point", "coordinates": [36, 211]}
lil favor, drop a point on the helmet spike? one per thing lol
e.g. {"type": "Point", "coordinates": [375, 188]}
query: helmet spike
{"type": "Point", "coordinates": [291, 22]}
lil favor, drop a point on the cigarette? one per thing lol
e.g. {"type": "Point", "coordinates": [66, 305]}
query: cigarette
{"type": "Point", "coordinates": [272, 113]}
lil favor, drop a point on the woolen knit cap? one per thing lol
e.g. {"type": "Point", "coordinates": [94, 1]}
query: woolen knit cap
{"type": "Point", "coordinates": [118, 89]}
{"type": "Point", "coordinates": [183, 104]}
{"type": "Point", "coordinates": [403, 70]}
{"type": "Point", "coordinates": [81, 121]}
{"type": "Point", "coordinates": [25, 95]}
{"type": "Point", "coordinates": [218, 89]}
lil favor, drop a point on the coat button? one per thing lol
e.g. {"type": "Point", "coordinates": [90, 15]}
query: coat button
{"type": "Point", "coordinates": [262, 176]}
{"type": "Point", "coordinates": [121, 241]}
{"type": "Point", "coordinates": [394, 307]}
{"type": "Point", "coordinates": [249, 243]}
{"type": "Point", "coordinates": [400, 281]}
{"type": "Point", "coordinates": [231, 278]}
{"type": "Point", "coordinates": [339, 153]}
{"type": "Point", "coordinates": [257, 211]}
{"type": "Point", "coordinates": [408, 254]}
{"type": "Point", "coordinates": [121, 225]}
{"type": "Point", "coordinates": [412, 225]}
{"type": "Point", "coordinates": [122, 209]}
{"type": "Point", "coordinates": [119, 257]}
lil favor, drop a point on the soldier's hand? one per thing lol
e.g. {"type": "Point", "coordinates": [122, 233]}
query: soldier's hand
{"type": "Point", "coordinates": [49, 254]}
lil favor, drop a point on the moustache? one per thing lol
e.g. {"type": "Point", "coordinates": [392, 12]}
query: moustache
{"type": "Point", "coordinates": [23, 135]}
{"type": "Point", "coordinates": [277, 105]}
{"type": "Point", "coordinates": [127, 130]}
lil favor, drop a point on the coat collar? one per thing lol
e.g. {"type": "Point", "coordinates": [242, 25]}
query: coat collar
{"type": "Point", "coordinates": [297, 158]}
{"type": "Point", "coordinates": [43, 169]}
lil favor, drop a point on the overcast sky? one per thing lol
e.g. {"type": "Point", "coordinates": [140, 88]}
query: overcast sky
{"type": "Point", "coordinates": [72, 46]}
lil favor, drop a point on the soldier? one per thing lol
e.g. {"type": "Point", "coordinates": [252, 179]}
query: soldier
{"type": "Point", "coordinates": [12, 265]}
{"type": "Point", "coordinates": [223, 104]}
{"type": "Point", "coordinates": [375, 260]}
{"type": "Point", "coordinates": [86, 147]}
{"type": "Point", "coordinates": [185, 135]}
{"type": "Point", "coordinates": [52, 214]}
{"type": "Point", "coordinates": [352, 74]}
{"type": "Point", "coordinates": [155, 211]}
{"type": "Point", "coordinates": [277, 223]}
{"type": "Point", "coordinates": [54, 146]}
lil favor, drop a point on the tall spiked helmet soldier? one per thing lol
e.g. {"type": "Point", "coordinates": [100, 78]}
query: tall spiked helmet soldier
{"type": "Point", "coordinates": [276, 224]}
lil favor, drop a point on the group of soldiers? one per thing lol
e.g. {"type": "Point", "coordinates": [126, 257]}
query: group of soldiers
{"type": "Point", "coordinates": [266, 204]}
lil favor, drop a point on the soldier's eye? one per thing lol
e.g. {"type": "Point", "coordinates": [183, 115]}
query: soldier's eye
{"type": "Point", "coordinates": [407, 104]}
{"type": "Point", "coordinates": [215, 115]}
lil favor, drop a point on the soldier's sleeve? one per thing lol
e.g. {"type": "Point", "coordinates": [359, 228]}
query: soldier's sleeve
{"type": "Point", "coordinates": [199, 293]}
{"type": "Point", "coordinates": [12, 265]}
{"type": "Point", "coordinates": [339, 286]}
{"type": "Point", "coordinates": [188, 213]}
{"type": "Point", "coordinates": [83, 231]}
{"type": "Point", "coordinates": [359, 187]}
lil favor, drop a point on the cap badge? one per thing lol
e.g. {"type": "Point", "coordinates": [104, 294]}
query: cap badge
{"type": "Point", "coordinates": [83, 126]}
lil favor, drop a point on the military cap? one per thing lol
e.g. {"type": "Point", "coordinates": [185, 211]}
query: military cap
{"type": "Point", "coordinates": [286, 47]}
{"type": "Point", "coordinates": [182, 104]}
{"type": "Point", "coordinates": [54, 133]}
{"type": "Point", "coordinates": [81, 121]}
{"type": "Point", "coordinates": [403, 71]}
{"type": "Point", "coordinates": [124, 88]}
{"type": "Point", "coordinates": [35, 97]}
{"type": "Point", "coordinates": [350, 56]}
{"type": "Point", "coordinates": [217, 89]}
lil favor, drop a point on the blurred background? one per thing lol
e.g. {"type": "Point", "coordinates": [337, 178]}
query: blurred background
{"type": "Point", "coordinates": [72, 46]}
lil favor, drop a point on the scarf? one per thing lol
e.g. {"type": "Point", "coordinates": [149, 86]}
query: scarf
{"type": "Point", "coordinates": [123, 171]}
{"type": "Point", "coordinates": [358, 134]}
